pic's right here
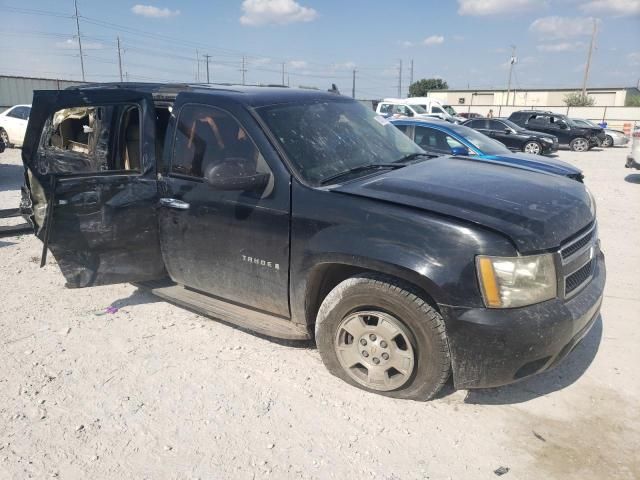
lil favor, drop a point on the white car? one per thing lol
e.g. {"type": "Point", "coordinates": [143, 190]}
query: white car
{"type": "Point", "coordinates": [13, 124]}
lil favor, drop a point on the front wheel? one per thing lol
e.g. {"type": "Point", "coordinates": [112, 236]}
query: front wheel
{"type": "Point", "coordinates": [579, 144]}
{"type": "Point", "coordinates": [379, 335]}
{"type": "Point", "coordinates": [4, 137]}
{"type": "Point", "coordinates": [532, 147]}
{"type": "Point", "coordinates": [608, 141]}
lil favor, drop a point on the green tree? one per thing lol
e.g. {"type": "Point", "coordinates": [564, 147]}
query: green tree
{"type": "Point", "coordinates": [421, 88]}
{"type": "Point", "coordinates": [632, 101]}
{"type": "Point", "coordinates": [577, 99]}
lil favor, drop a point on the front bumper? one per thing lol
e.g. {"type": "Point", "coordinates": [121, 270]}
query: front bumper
{"type": "Point", "coordinates": [548, 148]}
{"type": "Point", "coordinates": [494, 347]}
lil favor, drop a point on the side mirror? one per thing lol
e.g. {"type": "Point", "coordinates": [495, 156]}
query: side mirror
{"type": "Point", "coordinates": [507, 131]}
{"type": "Point", "coordinates": [235, 174]}
{"type": "Point", "coordinates": [460, 151]}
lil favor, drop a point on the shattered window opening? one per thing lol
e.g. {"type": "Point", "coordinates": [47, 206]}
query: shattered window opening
{"type": "Point", "coordinates": [91, 139]}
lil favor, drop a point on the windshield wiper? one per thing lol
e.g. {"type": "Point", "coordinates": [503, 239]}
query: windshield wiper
{"type": "Point", "coordinates": [413, 156]}
{"type": "Point", "coordinates": [361, 168]}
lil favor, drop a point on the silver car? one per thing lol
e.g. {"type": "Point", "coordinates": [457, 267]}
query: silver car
{"type": "Point", "coordinates": [613, 138]}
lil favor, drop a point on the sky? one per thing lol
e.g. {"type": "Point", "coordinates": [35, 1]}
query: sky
{"type": "Point", "coordinates": [466, 42]}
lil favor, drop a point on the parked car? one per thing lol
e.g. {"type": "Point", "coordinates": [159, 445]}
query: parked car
{"type": "Point", "coordinates": [302, 214]}
{"type": "Point", "coordinates": [514, 136]}
{"type": "Point", "coordinates": [633, 159]}
{"type": "Point", "coordinates": [436, 107]}
{"type": "Point", "coordinates": [446, 139]}
{"type": "Point", "coordinates": [613, 138]}
{"type": "Point", "coordinates": [13, 124]}
{"type": "Point", "coordinates": [579, 139]}
{"type": "Point", "coordinates": [469, 115]}
{"type": "Point", "coordinates": [396, 110]}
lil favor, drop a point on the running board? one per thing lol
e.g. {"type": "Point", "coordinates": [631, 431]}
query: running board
{"type": "Point", "coordinates": [247, 319]}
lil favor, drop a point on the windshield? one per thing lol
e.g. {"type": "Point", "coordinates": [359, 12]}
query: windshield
{"type": "Point", "coordinates": [450, 110]}
{"type": "Point", "coordinates": [326, 138]}
{"type": "Point", "coordinates": [510, 124]}
{"type": "Point", "coordinates": [486, 145]}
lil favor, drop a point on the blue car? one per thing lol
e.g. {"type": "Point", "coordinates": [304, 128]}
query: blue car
{"type": "Point", "coordinates": [437, 136]}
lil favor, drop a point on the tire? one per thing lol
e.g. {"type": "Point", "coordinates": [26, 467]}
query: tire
{"type": "Point", "coordinates": [532, 147]}
{"type": "Point", "coordinates": [394, 326]}
{"type": "Point", "coordinates": [579, 144]}
{"type": "Point", "coordinates": [608, 141]}
{"type": "Point", "coordinates": [4, 137]}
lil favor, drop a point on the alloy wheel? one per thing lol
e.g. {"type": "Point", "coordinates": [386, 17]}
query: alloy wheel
{"type": "Point", "coordinates": [532, 147]}
{"type": "Point", "coordinates": [375, 350]}
{"type": "Point", "coordinates": [580, 145]}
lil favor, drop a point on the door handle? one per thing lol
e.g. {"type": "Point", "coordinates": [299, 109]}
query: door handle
{"type": "Point", "coordinates": [174, 203]}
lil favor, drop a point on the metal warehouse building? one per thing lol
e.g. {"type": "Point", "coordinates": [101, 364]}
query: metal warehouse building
{"type": "Point", "coordinates": [533, 97]}
{"type": "Point", "coordinates": [16, 90]}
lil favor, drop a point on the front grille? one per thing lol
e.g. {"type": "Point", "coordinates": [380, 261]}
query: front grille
{"type": "Point", "coordinates": [579, 260]}
{"type": "Point", "coordinates": [577, 245]}
{"type": "Point", "coordinates": [579, 277]}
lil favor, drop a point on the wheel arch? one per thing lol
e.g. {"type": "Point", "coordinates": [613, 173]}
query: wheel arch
{"type": "Point", "coordinates": [324, 277]}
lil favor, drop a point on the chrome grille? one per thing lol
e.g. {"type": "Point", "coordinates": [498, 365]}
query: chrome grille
{"type": "Point", "coordinates": [578, 261]}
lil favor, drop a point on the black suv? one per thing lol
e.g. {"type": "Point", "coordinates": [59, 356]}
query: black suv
{"type": "Point", "coordinates": [302, 214]}
{"type": "Point", "coordinates": [515, 137]}
{"type": "Point", "coordinates": [579, 139]}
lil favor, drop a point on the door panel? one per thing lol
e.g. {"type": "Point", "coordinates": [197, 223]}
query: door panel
{"type": "Point", "coordinates": [101, 226]}
{"type": "Point", "coordinates": [230, 244]}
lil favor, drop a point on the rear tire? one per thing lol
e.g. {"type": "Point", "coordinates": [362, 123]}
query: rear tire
{"type": "Point", "coordinates": [579, 144]}
{"type": "Point", "coordinates": [608, 141]}
{"type": "Point", "coordinates": [380, 335]}
{"type": "Point", "coordinates": [4, 137]}
{"type": "Point", "coordinates": [532, 147]}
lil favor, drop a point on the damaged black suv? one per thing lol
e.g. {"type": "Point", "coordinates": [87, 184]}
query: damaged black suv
{"type": "Point", "coordinates": [301, 214]}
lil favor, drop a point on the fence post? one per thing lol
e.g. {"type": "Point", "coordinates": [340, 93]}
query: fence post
{"type": "Point", "coordinates": [500, 111]}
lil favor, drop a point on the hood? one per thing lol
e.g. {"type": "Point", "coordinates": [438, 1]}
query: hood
{"type": "Point", "coordinates": [537, 211]}
{"type": "Point", "coordinates": [536, 162]}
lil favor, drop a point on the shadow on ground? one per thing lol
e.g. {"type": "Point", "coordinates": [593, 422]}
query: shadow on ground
{"type": "Point", "coordinates": [566, 373]}
{"type": "Point", "coordinates": [138, 297]}
{"type": "Point", "coordinates": [11, 177]}
{"type": "Point", "coordinates": [633, 178]}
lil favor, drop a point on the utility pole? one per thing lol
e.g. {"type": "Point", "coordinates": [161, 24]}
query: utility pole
{"type": "Point", "coordinates": [207, 57]}
{"type": "Point", "coordinates": [588, 65]}
{"type": "Point", "coordinates": [197, 66]}
{"type": "Point", "coordinates": [283, 64]}
{"type": "Point", "coordinates": [512, 62]}
{"type": "Point", "coordinates": [119, 59]}
{"type": "Point", "coordinates": [353, 88]}
{"type": "Point", "coordinates": [75, 3]}
{"type": "Point", "coordinates": [400, 80]}
{"type": "Point", "coordinates": [243, 69]}
{"type": "Point", "coordinates": [411, 73]}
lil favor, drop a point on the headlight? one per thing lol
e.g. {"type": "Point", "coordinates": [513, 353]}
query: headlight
{"type": "Point", "coordinates": [546, 140]}
{"type": "Point", "coordinates": [508, 282]}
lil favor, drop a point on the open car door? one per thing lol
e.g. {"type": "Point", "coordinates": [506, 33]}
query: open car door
{"type": "Point", "coordinates": [91, 187]}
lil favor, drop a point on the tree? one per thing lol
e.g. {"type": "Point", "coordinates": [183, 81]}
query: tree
{"type": "Point", "coordinates": [632, 101]}
{"type": "Point", "coordinates": [421, 88]}
{"type": "Point", "coordinates": [578, 99]}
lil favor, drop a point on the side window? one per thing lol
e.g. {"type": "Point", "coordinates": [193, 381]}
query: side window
{"type": "Point", "coordinates": [17, 112]}
{"type": "Point", "coordinates": [91, 139]}
{"type": "Point", "coordinates": [206, 137]}
{"type": "Point", "coordinates": [403, 128]}
{"type": "Point", "coordinates": [479, 124]}
{"type": "Point", "coordinates": [435, 140]}
{"type": "Point", "coordinates": [436, 110]}
{"type": "Point", "coordinates": [385, 108]}
{"type": "Point", "coordinates": [496, 125]}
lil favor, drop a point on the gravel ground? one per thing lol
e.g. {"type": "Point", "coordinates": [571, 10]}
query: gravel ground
{"type": "Point", "coordinates": [154, 391]}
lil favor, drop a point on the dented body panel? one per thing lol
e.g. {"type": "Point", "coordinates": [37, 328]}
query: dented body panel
{"type": "Point", "coordinates": [275, 251]}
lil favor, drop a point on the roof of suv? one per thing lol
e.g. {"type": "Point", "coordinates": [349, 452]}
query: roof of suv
{"type": "Point", "coordinates": [255, 96]}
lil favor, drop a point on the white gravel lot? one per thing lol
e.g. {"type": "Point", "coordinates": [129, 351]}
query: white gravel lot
{"type": "Point", "coordinates": [154, 391]}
